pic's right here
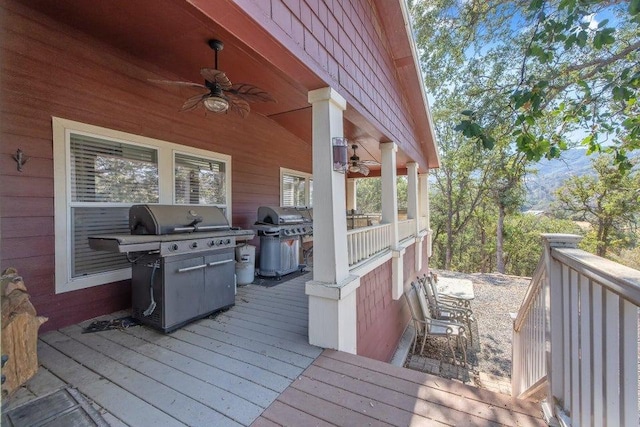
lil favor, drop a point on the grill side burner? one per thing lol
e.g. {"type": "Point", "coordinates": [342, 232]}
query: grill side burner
{"type": "Point", "coordinates": [281, 230]}
{"type": "Point", "coordinates": [182, 262]}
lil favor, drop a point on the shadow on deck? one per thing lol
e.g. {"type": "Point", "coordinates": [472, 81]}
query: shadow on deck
{"type": "Point", "coordinates": [252, 364]}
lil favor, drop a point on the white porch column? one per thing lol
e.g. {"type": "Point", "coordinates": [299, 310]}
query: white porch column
{"type": "Point", "coordinates": [332, 296]}
{"type": "Point", "coordinates": [413, 210]}
{"type": "Point", "coordinates": [390, 214]}
{"type": "Point", "coordinates": [423, 196]}
{"type": "Point", "coordinates": [352, 203]}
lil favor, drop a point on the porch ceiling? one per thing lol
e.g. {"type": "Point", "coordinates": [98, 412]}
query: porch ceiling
{"type": "Point", "coordinates": [170, 36]}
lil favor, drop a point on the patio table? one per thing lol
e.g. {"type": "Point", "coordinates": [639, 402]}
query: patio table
{"type": "Point", "coordinates": [458, 288]}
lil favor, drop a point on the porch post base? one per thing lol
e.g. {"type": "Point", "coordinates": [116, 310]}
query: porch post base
{"type": "Point", "coordinates": [397, 273]}
{"type": "Point", "coordinates": [332, 314]}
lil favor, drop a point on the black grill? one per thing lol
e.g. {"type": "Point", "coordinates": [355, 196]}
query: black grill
{"type": "Point", "coordinates": [182, 262]}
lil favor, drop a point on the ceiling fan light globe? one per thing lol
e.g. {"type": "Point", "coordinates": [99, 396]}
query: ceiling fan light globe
{"type": "Point", "coordinates": [216, 104]}
{"type": "Point", "coordinates": [354, 168]}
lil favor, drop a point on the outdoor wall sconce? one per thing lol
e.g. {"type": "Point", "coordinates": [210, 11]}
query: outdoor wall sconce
{"type": "Point", "coordinates": [340, 157]}
{"type": "Point", "coordinates": [20, 159]}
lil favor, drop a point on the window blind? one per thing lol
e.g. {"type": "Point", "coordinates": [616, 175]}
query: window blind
{"type": "Point", "coordinates": [108, 171]}
{"type": "Point", "coordinates": [104, 171]}
{"type": "Point", "coordinates": [293, 190]}
{"type": "Point", "coordinates": [93, 221]}
{"type": "Point", "coordinates": [199, 181]}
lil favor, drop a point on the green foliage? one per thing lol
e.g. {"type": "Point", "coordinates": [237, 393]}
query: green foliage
{"type": "Point", "coordinates": [610, 202]}
{"type": "Point", "coordinates": [475, 250]}
{"type": "Point", "coordinates": [537, 73]}
{"type": "Point", "coordinates": [369, 190]}
{"type": "Point", "coordinates": [523, 246]}
{"type": "Point", "coordinates": [628, 257]}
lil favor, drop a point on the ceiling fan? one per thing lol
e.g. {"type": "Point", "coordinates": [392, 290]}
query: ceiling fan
{"type": "Point", "coordinates": [359, 166]}
{"type": "Point", "coordinates": [221, 95]}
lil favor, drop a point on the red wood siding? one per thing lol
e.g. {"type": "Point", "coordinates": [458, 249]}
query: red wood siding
{"type": "Point", "coordinates": [51, 70]}
{"type": "Point", "coordinates": [343, 42]}
{"type": "Point", "coordinates": [381, 320]}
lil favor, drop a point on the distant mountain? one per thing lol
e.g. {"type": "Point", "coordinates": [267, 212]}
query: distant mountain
{"type": "Point", "coordinates": [548, 175]}
{"type": "Point", "coordinates": [551, 174]}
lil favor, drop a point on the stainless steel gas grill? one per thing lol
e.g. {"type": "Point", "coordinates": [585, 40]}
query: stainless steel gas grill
{"type": "Point", "coordinates": [281, 232]}
{"type": "Point", "coordinates": [183, 262]}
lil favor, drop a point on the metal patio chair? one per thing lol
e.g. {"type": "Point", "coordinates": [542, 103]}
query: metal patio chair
{"type": "Point", "coordinates": [426, 325]}
{"type": "Point", "coordinates": [442, 310]}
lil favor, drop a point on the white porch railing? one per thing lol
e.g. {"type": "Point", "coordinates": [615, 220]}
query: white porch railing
{"type": "Point", "coordinates": [365, 242]}
{"type": "Point", "coordinates": [586, 308]}
{"type": "Point", "coordinates": [528, 368]}
{"type": "Point", "coordinates": [406, 228]}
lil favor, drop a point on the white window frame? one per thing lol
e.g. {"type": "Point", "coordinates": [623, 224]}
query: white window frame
{"type": "Point", "coordinates": [308, 177]}
{"type": "Point", "coordinates": [62, 130]}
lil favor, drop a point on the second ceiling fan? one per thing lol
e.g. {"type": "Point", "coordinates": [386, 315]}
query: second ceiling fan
{"type": "Point", "coordinates": [360, 166]}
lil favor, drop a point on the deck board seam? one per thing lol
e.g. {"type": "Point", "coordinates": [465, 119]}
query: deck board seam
{"type": "Point", "coordinates": [430, 401]}
{"type": "Point", "coordinates": [217, 385]}
{"type": "Point", "coordinates": [301, 365]}
{"type": "Point", "coordinates": [271, 311]}
{"type": "Point", "coordinates": [508, 403]}
{"type": "Point", "coordinates": [295, 385]}
{"type": "Point", "coordinates": [281, 344]}
{"type": "Point", "coordinates": [276, 324]}
{"type": "Point", "coordinates": [247, 377]}
{"type": "Point", "coordinates": [151, 378]}
{"type": "Point", "coordinates": [111, 383]}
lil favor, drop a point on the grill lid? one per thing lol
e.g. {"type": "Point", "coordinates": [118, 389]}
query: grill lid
{"type": "Point", "coordinates": [170, 219]}
{"type": "Point", "coordinates": [284, 215]}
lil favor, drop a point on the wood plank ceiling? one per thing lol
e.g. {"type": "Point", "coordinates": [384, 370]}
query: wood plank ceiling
{"type": "Point", "coordinates": [171, 37]}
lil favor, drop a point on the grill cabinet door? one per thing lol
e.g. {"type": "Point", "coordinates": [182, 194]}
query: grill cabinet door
{"type": "Point", "coordinates": [183, 287]}
{"type": "Point", "coordinates": [219, 289]}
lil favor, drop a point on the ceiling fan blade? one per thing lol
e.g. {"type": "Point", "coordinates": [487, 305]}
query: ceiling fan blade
{"type": "Point", "coordinates": [250, 93]}
{"type": "Point", "coordinates": [176, 83]}
{"type": "Point", "coordinates": [370, 162]}
{"type": "Point", "coordinates": [239, 106]}
{"type": "Point", "coordinates": [193, 102]}
{"type": "Point", "coordinates": [364, 170]}
{"type": "Point", "coordinates": [216, 76]}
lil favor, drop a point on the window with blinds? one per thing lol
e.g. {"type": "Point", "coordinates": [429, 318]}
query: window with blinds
{"type": "Point", "coordinates": [296, 189]}
{"type": "Point", "coordinates": [99, 173]}
{"type": "Point", "coordinates": [106, 177]}
{"type": "Point", "coordinates": [199, 181]}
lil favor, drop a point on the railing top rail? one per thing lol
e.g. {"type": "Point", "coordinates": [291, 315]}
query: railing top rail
{"type": "Point", "coordinates": [363, 229]}
{"type": "Point", "coordinates": [530, 296]}
{"type": "Point", "coordinates": [622, 280]}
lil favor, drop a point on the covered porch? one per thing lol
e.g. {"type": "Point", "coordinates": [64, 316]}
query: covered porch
{"type": "Point", "coordinates": [252, 365]}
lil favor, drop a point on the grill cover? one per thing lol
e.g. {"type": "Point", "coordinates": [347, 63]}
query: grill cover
{"type": "Point", "coordinates": [284, 215]}
{"type": "Point", "coordinates": [170, 219]}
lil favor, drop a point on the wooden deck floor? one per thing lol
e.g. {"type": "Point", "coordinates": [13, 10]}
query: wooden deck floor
{"type": "Point", "coordinates": [346, 390]}
{"type": "Point", "coordinates": [213, 372]}
{"type": "Point", "coordinates": [252, 365]}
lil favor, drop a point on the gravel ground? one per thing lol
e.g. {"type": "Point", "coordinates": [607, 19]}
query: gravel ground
{"type": "Point", "coordinates": [496, 295]}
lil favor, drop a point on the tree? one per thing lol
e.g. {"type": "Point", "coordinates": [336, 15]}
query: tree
{"type": "Point", "coordinates": [575, 62]}
{"type": "Point", "coordinates": [610, 202]}
{"type": "Point", "coordinates": [459, 185]}
{"type": "Point", "coordinates": [522, 240]}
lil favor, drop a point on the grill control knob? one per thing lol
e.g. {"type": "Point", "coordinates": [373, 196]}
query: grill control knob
{"type": "Point", "coordinates": [173, 247]}
{"type": "Point", "coordinates": [194, 245]}
{"type": "Point", "coordinates": [211, 243]}
{"type": "Point", "coordinates": [228, 241]}
{"type": "Point", "coordinates": [220, 242]}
